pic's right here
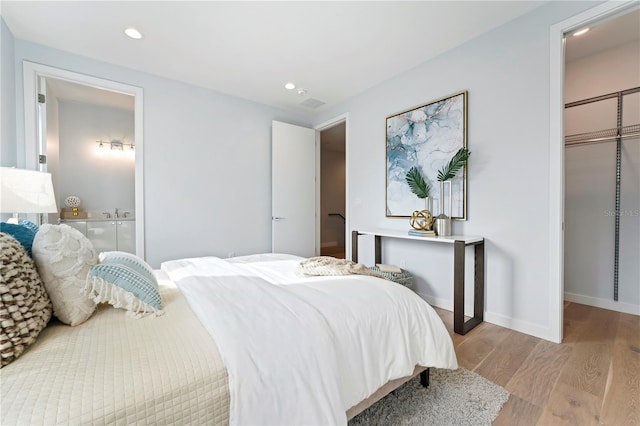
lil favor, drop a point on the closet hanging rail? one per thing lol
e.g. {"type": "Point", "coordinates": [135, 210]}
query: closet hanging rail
{"type": "Point", "coordinates": [619, 133]}
{"type": "Point", "coordinates": [613, 134]}
{"type": "Point", "coordinates": [603, 135]}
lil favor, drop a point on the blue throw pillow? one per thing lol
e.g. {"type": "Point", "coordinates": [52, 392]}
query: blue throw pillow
{"type": "Point", "coordinates": [24, 232]}
{"type": "Point", "coordinates": [124, 281]}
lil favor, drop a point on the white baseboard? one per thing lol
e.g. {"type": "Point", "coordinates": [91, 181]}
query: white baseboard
{"type": "Point", "coordinates": [612, 305]}
{"type": "Point", "coordinates": [521, 326]}
{"type": "Point", "coordinates": [497, 319]}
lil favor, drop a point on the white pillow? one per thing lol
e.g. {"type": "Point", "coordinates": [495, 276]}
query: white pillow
{"type": "Point", "coordinates": [64, 256]}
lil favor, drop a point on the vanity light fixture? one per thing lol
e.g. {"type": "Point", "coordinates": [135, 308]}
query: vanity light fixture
{"type": "Point", "coordinates": [289, 86]}
{"type": "Point", "coordinates": [116, 145]}
{"type": "Point", "coordinates": [582, 31]}
{"type": "Point", "coordinates": [133, 33]}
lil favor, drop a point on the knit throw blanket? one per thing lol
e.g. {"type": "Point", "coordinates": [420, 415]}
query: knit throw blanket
{"type": "Point", "coordinates": [326, 265]}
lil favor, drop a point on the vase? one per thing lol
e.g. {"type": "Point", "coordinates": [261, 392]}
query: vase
{"type": "Point", "coordinates": [428, 204]}
{"type": "Point", "coordinates": [443, 220]}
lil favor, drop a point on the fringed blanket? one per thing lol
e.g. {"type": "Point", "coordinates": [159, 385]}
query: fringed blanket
{"type": "Point", "coordinates": [326, 265]}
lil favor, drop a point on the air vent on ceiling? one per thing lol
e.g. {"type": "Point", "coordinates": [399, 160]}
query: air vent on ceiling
{"type": "Point", "coordinates": [312, 103]}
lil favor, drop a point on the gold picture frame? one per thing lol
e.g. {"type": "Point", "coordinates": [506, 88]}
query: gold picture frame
{"type": "Point", "coordinates": [426, 136]}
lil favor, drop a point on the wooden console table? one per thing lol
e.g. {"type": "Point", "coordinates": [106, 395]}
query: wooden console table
{"type": "Point", "coordinates": [459, 244]}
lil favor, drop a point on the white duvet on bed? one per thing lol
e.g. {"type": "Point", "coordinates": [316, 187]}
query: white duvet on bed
{"type": "Point", "coordinates": [305, 350]}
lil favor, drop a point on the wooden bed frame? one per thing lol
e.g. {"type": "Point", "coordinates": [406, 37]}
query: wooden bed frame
{"type": "Point", "coordinates": [387, 389]}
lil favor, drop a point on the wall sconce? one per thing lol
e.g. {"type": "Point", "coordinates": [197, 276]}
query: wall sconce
{"type": "Point", "coordinates": [115, 145]}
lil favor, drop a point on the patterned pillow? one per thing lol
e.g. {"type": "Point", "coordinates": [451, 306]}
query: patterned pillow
{"type": "Point", "coordinates": [24, 232]}
{"type": "Point", "coordinates": [25, 308]}
{"type": "Point", "coordinates": [64, 256]}
{"type": "Point", "coordinates": [125, 281]}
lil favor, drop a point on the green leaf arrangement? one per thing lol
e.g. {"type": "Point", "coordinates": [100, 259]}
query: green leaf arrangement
{"type": "Point", "coordinates": [457, 162]}
{"type": "Point", "coordinates": [417, 183]}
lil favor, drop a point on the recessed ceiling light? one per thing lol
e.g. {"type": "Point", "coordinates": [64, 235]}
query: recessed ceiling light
{"type": "Point", "coordinates": [582, 31]}
{"type": "Point", "coordinates": [133, 33]}
{"type": "Point", "coordinates": [289, 86]}
{"type": "Point", "coordinates": [302, 92]}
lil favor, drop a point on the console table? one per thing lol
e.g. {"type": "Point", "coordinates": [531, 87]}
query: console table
{"type": "Point", "coordinates": [459, 244]}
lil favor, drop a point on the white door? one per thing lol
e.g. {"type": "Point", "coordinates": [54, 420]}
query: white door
{"type": "Point", "coordinates": [293, 187]}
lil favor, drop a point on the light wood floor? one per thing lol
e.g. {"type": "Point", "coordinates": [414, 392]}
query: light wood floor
{"type": "Point", "coordinates": [592, 378]}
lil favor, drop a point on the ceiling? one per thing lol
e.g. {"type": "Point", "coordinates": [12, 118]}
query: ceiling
{"type": "Point", "coordinates": [612, 32]}
{"type": "Point", "coordinates": [334, 50]}
{"type": "Point", "coordinates": [67, 91]}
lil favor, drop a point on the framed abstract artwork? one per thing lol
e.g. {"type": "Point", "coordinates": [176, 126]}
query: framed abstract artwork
{"type": "Point", "coordinates": [426, 137]}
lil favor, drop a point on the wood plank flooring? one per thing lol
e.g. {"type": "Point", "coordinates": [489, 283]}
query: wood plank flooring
{"type": "Point", "coordinates": [592, 378]}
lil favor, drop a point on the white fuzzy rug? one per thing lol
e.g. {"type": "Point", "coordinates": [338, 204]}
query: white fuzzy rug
{"type": "Point", "coordinates": [454, 397]}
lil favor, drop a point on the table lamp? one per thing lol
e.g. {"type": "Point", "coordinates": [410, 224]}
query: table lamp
{"type": "Point", "coordinates": [25, 191]}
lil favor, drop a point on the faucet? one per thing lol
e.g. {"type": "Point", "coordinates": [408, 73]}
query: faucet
{"type": "Point", "coordinates": [107, 214]}
{"type": "Point", "coordinates": [117, 215]}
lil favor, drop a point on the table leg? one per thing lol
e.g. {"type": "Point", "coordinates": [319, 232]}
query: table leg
{"type": "Point", "coordinates": [478, 279]}
{"type": "Point", "coordinates": [458, 286]}
{"type": "Point", "coordinates": [354, 246]}
{"type": "Point", "coordinates": [459, 325]}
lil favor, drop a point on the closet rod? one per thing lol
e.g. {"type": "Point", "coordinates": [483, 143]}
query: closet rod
{"type": "Point", "coordinates": [602, 97]}
{"type": "Point", "coordinates": [626, 132]}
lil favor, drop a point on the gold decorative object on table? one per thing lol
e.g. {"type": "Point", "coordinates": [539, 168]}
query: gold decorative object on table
{"type": "Point", "coordinates": [73, 210]}
{"type": "Point", "coordinates": [421, 220]}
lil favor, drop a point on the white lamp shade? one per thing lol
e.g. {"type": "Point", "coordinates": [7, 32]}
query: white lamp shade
{"type": "Point", "coordinates": [26, 191]}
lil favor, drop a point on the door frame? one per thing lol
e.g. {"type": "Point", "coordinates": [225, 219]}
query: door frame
{"type": "Point", "coordinates": [556, 153]}
{"type": "Point", "coordinates": [343, 118]}
{"type": "Point", "coordinates": [31, 73]}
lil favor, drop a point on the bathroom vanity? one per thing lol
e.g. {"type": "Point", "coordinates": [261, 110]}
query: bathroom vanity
{"type": "Point", "coordinates": [107, 234]}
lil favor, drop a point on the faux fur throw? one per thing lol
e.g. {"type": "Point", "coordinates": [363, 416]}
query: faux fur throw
{"type": "Point", "coordinates": [326, 265]}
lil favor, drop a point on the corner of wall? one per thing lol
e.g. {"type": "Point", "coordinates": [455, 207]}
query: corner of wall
{"type": "Point", "coordinates": [8, 97]}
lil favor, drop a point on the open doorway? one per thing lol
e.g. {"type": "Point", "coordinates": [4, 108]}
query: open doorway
{"type": "Point", "coordinates": [72, 96]}
{"type": "Point", "coordinates": [333, 191]}
{"type": "Point", "coordinates": [602, 164]}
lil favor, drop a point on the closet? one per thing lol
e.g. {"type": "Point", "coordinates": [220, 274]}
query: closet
{"type": "Point", "coordinates": [602, 177]}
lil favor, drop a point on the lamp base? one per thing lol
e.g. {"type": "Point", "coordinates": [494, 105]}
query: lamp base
{"type": "Point", "coordinates": [15, 219]}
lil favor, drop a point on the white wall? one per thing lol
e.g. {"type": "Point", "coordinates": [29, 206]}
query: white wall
{"type": "Point", "coordinates": [8, 97]}
{"type": "Point", "coordinates": [103, 179]}
{"type": "Point", "coordinates": [590, 183]}
{"type": "Point", "coordinates": [506, 72]}
{"type": "Point", "coordinates": [207, 169]}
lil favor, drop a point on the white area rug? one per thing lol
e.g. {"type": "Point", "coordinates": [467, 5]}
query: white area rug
{"type": "Point", "coordinates": [454, 397]}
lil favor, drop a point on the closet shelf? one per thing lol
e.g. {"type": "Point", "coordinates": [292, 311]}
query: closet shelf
{"type": "Point", "coordinates": [618, 133]}
{"type": "Point", "coordinates": [632, 130]}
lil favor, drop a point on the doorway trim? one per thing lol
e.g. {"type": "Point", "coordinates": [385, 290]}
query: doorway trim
{"type": "Point", "coordinates": [31, 73]}
{"type": "Point", "coordinates": [343, 118]}
{"type": "Point", "coordinates": [556, 154]}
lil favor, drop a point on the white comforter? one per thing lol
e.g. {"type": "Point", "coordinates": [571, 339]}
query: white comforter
{"type": "Point", "coordinates": [305, 350]}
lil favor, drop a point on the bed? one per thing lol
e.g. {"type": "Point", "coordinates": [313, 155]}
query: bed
{"type": "Point", "coordinates": [235, 346]}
